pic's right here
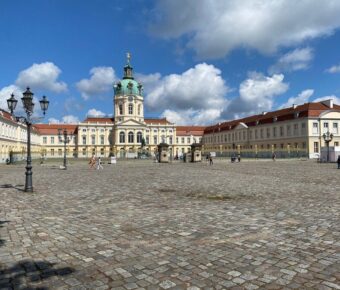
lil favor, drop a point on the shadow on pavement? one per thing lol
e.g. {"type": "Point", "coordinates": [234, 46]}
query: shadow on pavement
{"type": "Point", "coordinates": [24, 273]}
{"type": "Point", "coordinates": [8, 185]}
{"type": "Point", "coordinates": [2, 241]}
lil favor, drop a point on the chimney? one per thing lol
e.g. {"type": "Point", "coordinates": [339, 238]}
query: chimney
{"type": "Point", "coordinates": [328, 103]}
{"type": "Point", "coordinates": [294, 106]}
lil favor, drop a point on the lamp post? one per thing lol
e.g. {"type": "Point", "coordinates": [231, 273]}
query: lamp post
{"type": "Point", "coordinates": [65, 138]}
{"type": "Point", "coordinates": [27, 101]}
{"type": "Point", "coordinates": [328, 137]}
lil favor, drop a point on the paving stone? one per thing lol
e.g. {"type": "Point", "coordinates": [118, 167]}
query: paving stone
{"type": "Point", "coordinates": [141, 225]}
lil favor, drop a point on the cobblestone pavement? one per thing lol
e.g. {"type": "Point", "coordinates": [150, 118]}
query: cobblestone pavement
{"type": "Point", "coordinates": [143, 225]}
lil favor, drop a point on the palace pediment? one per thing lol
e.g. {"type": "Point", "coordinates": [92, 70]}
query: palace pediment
{"type": "Point", "coordinates": [130, 123]}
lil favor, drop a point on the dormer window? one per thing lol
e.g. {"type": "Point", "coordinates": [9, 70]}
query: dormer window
{"type": "Point", "coordinates": [257, 122]}
{"type": "Point", "coordinates": [296, 114]}
{"type": "Point", "coordinates": [275, 119]}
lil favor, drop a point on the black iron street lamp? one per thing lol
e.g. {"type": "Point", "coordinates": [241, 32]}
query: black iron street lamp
{"type": "Point", "coordinates": [65, 138]}
{"type": "Point", "coordinates": [27, 101]}
{"type": "Point", "coordinates": [328, 137]}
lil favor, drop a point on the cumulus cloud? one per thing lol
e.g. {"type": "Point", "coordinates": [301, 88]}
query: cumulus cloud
{"type": "Point", "coordinates": [53, 121]}
{"type": "Point", "coordinates": [214, 28]}
{"type": "Point", "coordinates": [192, 96]}
{"type": "Point", "coordinates": [302, 98]}
{"type": "Point", "coordinates": [193, 117]}
{"type": "Point", "coordinates": [256, 94]}
{"type": "Point", "coordinates": [201, 87]}
{"type": "Point", "coordinates": [333, 69]}
{"type": "Point", "coordinates": [95, 113]}
{"type": "Point", "coordinates": [298, 59]}
{"type": "Point", "coordinates": [335, 99]}
{"type": "Point", "coordinates": [41, 76]}
{"type": "Point", "coordinates": [68, 119]}
{"type": "Point", "coordinates": [100, 82]}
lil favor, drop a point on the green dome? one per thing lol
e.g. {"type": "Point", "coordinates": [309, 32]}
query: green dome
{"type": "Point", "coordinates": [128, 87]}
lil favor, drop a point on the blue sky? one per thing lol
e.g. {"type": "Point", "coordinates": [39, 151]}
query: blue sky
{"type": "Point", "coordinates": [200, 62]}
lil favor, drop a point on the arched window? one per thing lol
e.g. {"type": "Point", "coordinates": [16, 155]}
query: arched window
{"type": "Point", "coordinates": [139, 106]}
{"type": "Point", "coordinates": [121, 137]}
{"type": "Point", "coordinates": [130, 109]}
{"type": "Point", "coordinates": [130, 137]}
{"type": "Point", "coordinates": [120, 109]}
{"type": "Point", "coordinates": [139, 137]}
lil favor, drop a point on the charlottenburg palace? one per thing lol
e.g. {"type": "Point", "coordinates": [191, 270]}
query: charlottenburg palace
{"type": "Point", "coordinates": [291, 132]}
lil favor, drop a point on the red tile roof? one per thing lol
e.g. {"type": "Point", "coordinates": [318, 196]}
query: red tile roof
{"type": "Point", "coordinates": [96, 120]}
{"type": "Point", "coordinates": [6, 115]}
{"type": "Point", "coordinates": [190, 130]}
{"type": "Point", "coordinates": [155, 121]}
{"type": "Point", "coordinates": [52, 129]}
{"type": "Point", "coordinates": [301, 111]}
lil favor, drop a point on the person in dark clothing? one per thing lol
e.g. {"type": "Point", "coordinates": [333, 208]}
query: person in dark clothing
{"type": "Point", "coordinates": [211, 160]}
{"type": "Point", "coordinates": [338, 162]}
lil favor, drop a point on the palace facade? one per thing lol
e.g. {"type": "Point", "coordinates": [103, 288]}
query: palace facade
{"type": "Point", "coordinates": [296, 131]}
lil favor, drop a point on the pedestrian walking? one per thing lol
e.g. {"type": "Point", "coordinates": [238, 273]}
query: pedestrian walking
{"type": "Point", "coordinates": [211, 162]}
{"type": "Point", "coordinates": [92, 162]}
{"type": "Point", "coordinates": [338, 162]}
{"type": "Point", "coordinates": [274, 156]}
{"type": "Point", "coordinates": [239, 157]}
{"type": "Point", "coordinates": [99, 164]}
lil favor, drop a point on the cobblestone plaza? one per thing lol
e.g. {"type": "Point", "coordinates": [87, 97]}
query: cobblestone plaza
{"type": "Point", "coordinates": [143, 225]}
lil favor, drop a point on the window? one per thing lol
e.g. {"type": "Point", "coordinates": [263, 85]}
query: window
{"type": "Point", "coordinates": [60, 152]}
{"type": "Point", "coordinates": [130, 137]}
{"type": "Point", "coordinates": [84, 130]}
{"type": "Point", "coordinates": [163, 139]}
{"type": "Point", "coordinates": [315, 128]}
{"type": "Point", "coordinates": [121, 137]}
{"type": "Point", "coordinates": [335, 128]}
{"type": "Point", "coordinates": [147, 139]}
{"type": "Point", "coordinates": [325, 125]}
{"type": "Point", "coordinates": [84, 151]}
{"type": "Point", "coordinates": [154, 139]}
{"type": "Point", "coordinates": [296, 129]}
{"type": "Point", "coordinates": [255, 134]}
{"type": "Point", "coordinates": [303, 128]}
{"type": "Point", "coordinates": [182, 140]}
{"type": "Point", "coordinates": [304, 145]}
{"type": "Point", "coordinates": [281, 131]}
{"type": "Point", "coordinates": [316, 147]}
{"type": "Point", "coordinates": [274, 132]}
{"type": "Point", "coordinates": [288, 130]}
{"type": "Point", "coordinates": [93, 139]}
{"type": "Point", "coordinates": [52, 152]}
{"type": "Point", "coordinates": [188, 139]}
{"type": "Point", "coordinates": [139, 106]}
{"type": "Point", "coordinates": [139, 137]}
{"type": "Point", "coordinates": [102, 151]}
{"type": "Point", "coordinates": [268, 132]}
{"type": "Point", "coordinates": [52, 140]}
{"type": "Point", "coordinates": [120, 106]}
{"type": "Point", "coordinates": [84, 140]}
{"type": "Point", "coordinates": [170, 140]}
{"type": "Point", "coordinates": [102, 130]}
{"type": "Point", "coordinates": [176, 140]}
{"type": "Point", "coordinates": [336, 144]}
{"type": "Point", "coordinates": [261, 133]}
{"type": "Point", "coordinates": [45, 140]}
{"type": "Point", "coordinates": [130, 109]}
{"type": "Point", "coordinates": [102, 139]}
{"type": "Point", "coordinates": [93, 130]}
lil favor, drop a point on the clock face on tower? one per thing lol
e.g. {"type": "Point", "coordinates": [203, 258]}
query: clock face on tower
{"type": "Point", "coordinates": [130, 98]}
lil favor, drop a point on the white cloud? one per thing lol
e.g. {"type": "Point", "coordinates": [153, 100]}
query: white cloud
{"type": "Point", "coordinates": [100, 82]}
{"type": "Point", "coordinates": [41, 76]}
{"type": "Point", "coordinates": [214, 28]}
{"type": "Point", "coordinates": [72, 104]}
{"type": "Point", "coordinates": [53, 121]}
{"type": "Point", "coordinates": [5, 93]}
{"type": "Point", "coordinates": [201, 87]}
{"type": "Point", "coordinates": [335, 99]}
{"type": "Point", "coordinates": [196, 96]}
{"type": "Point", "coordinates": [193, 117]}
{"type": "Point", "coordinates": [298, 59]}
{"type": "Point", "coordinates": [95, 113]}
{"type": "Point", "coordinates": [302, 98]}
{"type": "Point", "coordinates": [70, 119]}
{"type": "Point", "coordinates": [333, 69]}
{"type": "Point", "coordinates": [256, 94]}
